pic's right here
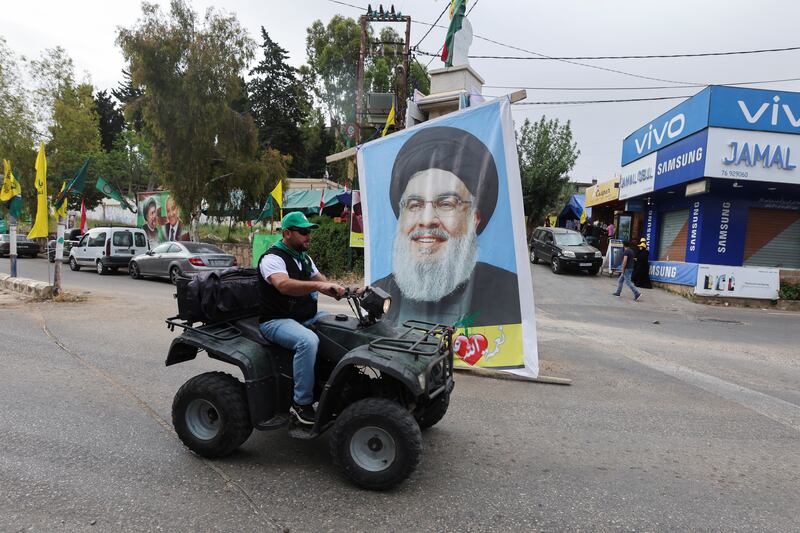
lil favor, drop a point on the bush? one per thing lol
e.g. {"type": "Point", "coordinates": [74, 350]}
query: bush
{"type": "Point", "coordinates": [789, 291]}
{"type": "Point", "coordinates": [329, 248]}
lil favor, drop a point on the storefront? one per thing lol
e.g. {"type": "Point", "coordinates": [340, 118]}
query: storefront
{"type": "Point", "coordinates": [718, 180]}
{"type": "Point", "coordinates": [603, 200]}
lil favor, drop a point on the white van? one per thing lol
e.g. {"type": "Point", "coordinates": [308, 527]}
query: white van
{"type": "Point", "coordinates": [108, 248]}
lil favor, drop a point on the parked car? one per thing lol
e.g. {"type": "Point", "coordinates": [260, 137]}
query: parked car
{"type": "Point", "coordinates": [71, 238]}
{"type": "Point", "coordinates": [108, 248]}
{"type": "Point", "coordinates": [175, 259]}
{"type": "Point", "coordinates": [25, 247]}
{"type": "Point", "coordinates": [564, 249]}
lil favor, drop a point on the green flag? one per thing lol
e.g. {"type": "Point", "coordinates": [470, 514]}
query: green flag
{"type": "Point", "coordinates": [75, 187]}
{"type": "Point", "coordinates": [457, 13]}
{"type": "Point", "coordinates": [109, 190]}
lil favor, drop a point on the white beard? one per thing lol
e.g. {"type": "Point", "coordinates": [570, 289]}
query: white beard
{"type": "Point", "coordinates": [430, 280]}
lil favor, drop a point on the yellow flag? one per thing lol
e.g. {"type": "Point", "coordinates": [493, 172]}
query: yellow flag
{"type": "Point", "coordinates": [389, 121]}
{"type": "Point", "coordinates": [40, 228]}
{"type": "Point", "coordinates": [11, 187]}
{"type": "Point", "coordinates": [277, 193]}
{"type": "Point", "coordinates": [583, 217]}
{"type": "Point", "coordinates": [62, 212]}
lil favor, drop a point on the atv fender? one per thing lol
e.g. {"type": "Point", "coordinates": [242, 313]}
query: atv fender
{"type": "Point", "coordinates": [363, 356]}
{"type": "Point", "coordinates": [256, 362]}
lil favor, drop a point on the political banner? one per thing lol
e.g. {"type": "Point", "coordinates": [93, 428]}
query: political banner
{"type": "Point", "coordinates": [356, 221]}
{"type": "Point", "coordinates": [160, 218]}
{"type": "Point", "coordinates": [445, 236]}
{"type": "Point", "coordinates": [737, 282]}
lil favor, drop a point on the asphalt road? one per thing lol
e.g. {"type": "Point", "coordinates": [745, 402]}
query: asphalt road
{"type": "Point", "coordinates": [680, 417]}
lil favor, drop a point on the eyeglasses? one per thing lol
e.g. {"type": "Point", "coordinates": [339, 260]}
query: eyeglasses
{"type": "Point", "coordinates": [302, 231]}
{"type": "Point", "coordinates": [444, 205]}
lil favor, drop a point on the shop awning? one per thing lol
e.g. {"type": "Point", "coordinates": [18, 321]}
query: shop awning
{"type": "Point", "coordinates": [573, 209]}
{"type": "Point", "coordinates": [307, 200]}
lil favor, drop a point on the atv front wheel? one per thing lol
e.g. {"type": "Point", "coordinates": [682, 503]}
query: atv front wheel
{"type": "Point", "coordinates": [210, 414]}
{"type": "Point", "coordinates": [434, 412]}
{"type": "Point", "coordinates": [377, 443]}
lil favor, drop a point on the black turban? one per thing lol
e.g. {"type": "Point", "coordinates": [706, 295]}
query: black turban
{"type": "Point", "coordinates": [453, 150]}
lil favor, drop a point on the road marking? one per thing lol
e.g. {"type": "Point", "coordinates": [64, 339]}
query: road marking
{"type": "Point", "coordinates": [774, 408]}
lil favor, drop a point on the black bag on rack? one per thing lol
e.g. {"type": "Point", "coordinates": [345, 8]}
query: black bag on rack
{"type": "Point", "coordinates": [217, 296]}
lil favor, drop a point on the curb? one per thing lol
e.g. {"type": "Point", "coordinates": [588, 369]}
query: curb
{"type": "Point", "coordinates": [29, 287]}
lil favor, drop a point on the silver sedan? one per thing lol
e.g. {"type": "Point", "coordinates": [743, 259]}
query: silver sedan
{"type": "Point", "coordinates": [174, 259]}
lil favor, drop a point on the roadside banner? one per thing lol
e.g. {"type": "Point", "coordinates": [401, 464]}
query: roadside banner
{"type": "Point", "coordinates": [737, 282]}
{"type": "Point", "coordinates": [160, 217]}
{"type": "Point", "coordinates": [261, 243]}
{"type": "Point", "coordinates": [445, 236]}
{"type": "Point", "coordinates": [673, 272]}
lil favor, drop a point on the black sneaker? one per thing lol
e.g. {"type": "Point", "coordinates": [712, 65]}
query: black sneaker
{"type": "Point", "coordinates": [304, 413]}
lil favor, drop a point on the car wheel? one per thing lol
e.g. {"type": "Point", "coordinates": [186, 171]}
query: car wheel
{"type": "Point", "coordinates": [555, 265]}
{"type": "Point", "coordinates": [377, 443]}
{"type": "Point", "coordinates": [73, 265]}
{"type": "Point", "coordinates": [534, 259]}
{"type": "Point", "coordinates": [133, 271]}
{"type": "Point", "coordinates": [210, 414]}
{"type": "Point", "coordinates": [174, 274]}
{"type": "Point", "coordinates": [101, 269]}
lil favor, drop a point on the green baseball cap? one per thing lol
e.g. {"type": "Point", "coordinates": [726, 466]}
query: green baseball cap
{"type": "Point", "coordinates": [296, 219]}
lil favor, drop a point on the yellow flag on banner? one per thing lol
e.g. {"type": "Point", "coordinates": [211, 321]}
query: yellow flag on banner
{"type": "Point", "coordinates": [62, 211]}
{"type": "Point", "coordinates": [389, 121]}
{"type": "Point", "coordinates": [40, 227]}
{"type": "Point", "coordinates": [11, 187]}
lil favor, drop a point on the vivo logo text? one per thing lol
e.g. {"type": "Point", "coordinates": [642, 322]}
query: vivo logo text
{"type": "Point", "coordinates": [775, 114]}
{"type": "Point", "coordinates": [654, 137]}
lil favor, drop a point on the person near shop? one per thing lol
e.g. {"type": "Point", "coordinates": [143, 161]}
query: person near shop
{"type": "Point", "coordinates": [641, 266]}
{"type": "Point", "coordinates": [610, 230]}
{"type": "Point", "coordinates": [628, 259]}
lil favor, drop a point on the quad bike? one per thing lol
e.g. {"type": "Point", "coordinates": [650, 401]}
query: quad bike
{"type": "Point", "coordinates": [377, 386]}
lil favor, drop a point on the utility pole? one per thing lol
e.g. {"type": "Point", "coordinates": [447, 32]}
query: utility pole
{"type": "Point", "coordinates": [401, 88]}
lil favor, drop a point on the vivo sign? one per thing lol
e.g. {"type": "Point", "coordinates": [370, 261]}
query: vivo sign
{"type": "Point", "coordinates": [681, 121]}
{"type": "Point", "coordinates": [755, 109]}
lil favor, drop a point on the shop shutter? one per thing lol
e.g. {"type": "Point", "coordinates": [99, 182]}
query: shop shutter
{"type": "Point", "coordinates": [773, 238]}
{"type": "Point", "coordinates": [672, 237]}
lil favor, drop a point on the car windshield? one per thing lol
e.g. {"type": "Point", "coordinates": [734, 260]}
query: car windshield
{"type": "Point", "coordinates": [201, 248]}
{"type": "Point", "coordinates": [569, 239]}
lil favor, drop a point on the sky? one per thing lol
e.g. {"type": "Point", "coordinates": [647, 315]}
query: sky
{"type": "Point", "coordinates": [566, 28]}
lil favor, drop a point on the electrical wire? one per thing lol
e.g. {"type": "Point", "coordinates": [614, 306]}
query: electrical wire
{"type": "Point", "coordinates": [569, 102]}
{"type": "Point", "coordinates": [653, 87]}
{"type": "Point", "coordinates": [432, 25]}
{"type": "Point", "coordinates": [651, 56]}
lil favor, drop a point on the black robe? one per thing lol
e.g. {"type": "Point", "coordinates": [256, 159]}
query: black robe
{"type": "Point", "coordinates": [490, 296]}
{"type": "Point", "coordinates": [641, 269]}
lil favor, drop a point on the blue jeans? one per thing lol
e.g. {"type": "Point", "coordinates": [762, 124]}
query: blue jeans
{"type": "Point", "coordinates": [625, 277]}
{"type": "Point", "coordinates": [293, 335]}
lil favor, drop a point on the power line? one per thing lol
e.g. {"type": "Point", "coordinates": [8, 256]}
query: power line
{"type": "Point", "coordinates": [651, 56]}
{"type": "Point", "coordinates": [565, 102]}
{"type": "Point", "coordinates": [432, 25]}
{"type": "Point", "coordinates": [688, 86]}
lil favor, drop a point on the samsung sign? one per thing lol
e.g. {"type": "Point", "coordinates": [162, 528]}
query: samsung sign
{"type": "Point", "coordinates": [720, 106]}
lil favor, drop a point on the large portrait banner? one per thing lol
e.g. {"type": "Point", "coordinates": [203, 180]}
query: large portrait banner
{"type": "Point", "coordinates": [445, 236]}
{"type": "Point", "coordinates": [160, 218]}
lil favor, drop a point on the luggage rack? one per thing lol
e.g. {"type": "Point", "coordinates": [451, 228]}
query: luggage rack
{"type": "Point", "coordinates": [419, 346]}
{"type": "Point", "coordinates": [226, 331]}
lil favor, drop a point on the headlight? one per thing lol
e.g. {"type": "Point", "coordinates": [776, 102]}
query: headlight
{"type": "Point", "coordinates": [568, 253]}
{"type": "Point", "coordinates": [598, 254]}
{"type": "Point", "coordinates": [376, 302]}
{"type": "Point", "coordinates": [421, 380]}
{"type": "Point", "coordinates": [387, 303]}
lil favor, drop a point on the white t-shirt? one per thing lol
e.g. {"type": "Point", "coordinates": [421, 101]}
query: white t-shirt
{"type": "Point", "coordinates": [272, 264]}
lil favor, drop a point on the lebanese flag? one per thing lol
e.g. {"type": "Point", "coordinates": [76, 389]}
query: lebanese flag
{"type": "Point", "coordinates": [83, 217]}
{"type": "Point", "coordinates": [322, 201]}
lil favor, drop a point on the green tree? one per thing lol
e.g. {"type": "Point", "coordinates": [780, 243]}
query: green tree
{"type": "Point", "coordinates": [278, 101]}
{"type": "Point", "coordinates": [547, 153]}
{"type": "Point", "coordinates": [111, 120]}
{"type": "Point", "coordinates": [127, 93]}
{"type": "Point", "coordinates": [17, 130]}
{"type": "Point", "coordinates": [190, 74]}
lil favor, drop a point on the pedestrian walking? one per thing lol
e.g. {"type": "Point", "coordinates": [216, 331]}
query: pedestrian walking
{"type": "Point", "coordinates": [628, 258]}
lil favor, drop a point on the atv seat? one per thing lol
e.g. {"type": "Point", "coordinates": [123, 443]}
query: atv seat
{"type": "Point", "coordinates": [249, 329]}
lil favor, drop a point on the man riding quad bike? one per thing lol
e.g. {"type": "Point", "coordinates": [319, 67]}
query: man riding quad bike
{"type": "Point", "coordinates": [376, 386]}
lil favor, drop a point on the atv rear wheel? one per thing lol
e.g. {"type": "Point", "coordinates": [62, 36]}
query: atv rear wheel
{"type": "Point", "coordinates": [377, 443]}
{"type": "Point", "coordinates": [434, 412]}
{"type": "Point", "coordinates": [210, 414]}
